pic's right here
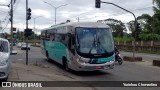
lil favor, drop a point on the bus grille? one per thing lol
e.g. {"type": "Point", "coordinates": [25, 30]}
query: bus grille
{"type": "Point", "coordinates": [95, 61]}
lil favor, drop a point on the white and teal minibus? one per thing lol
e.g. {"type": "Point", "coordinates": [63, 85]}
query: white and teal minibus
{"type": "Point", "coordinates": [80, 46]}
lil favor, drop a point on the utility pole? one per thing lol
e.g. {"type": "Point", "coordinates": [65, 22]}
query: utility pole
{"type": "Point", "coordinates": [23, 38]}
{"type": "Point", "coordinates": [11, 14]}
{"type": "Point", "coordinates": [1, 25]}
{"type": "Point", "coordinates": [55, 9]}
{"type": "Point", "coordinates": [26, 37]}
{"type": "Point", "coordinates": [34, 33]}
{"type": "Point", "coordinates": [78, 19]}
{"type": "Point", "coordinates": [27, 32]}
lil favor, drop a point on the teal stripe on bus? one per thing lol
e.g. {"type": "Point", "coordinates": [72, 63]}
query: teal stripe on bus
{"type": "Point", "coordinates": [56, 49]}
{"type": "Point", "coordinates": [107, 59]}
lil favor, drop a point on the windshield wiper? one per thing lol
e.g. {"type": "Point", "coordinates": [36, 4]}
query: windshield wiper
{"type": "Point", "coordinates": [99, 44]}
{"type": "Point", "coordinates": [93, 44]}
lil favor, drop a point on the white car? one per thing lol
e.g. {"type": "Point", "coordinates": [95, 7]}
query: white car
{"type": "Point", "coordinates": [5, 62]}
{"type": "Point", "coordinates": [24, 46]}
{"type": "Point", "coordinates": [19, 44]}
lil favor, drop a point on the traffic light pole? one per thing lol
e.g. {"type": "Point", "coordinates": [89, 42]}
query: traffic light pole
{"type": "Point", "coordinates": [134, 23]}
{"type": "Point", "coordinates": [26, 37]}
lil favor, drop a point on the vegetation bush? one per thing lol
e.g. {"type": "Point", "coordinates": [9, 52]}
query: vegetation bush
{"type": "Point", "coordinates": [148, 37]}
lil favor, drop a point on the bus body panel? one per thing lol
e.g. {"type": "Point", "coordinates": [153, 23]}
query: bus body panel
{"type": "Point", "coordinates": [56, 50]}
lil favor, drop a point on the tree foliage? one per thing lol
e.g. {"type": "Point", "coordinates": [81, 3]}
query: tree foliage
{"type": "Point", "coordinates": [117, 26]}
{"type": "Point", "coordinates": [131, 25]}
{"type": "Point", "coordinates": [156, 17]}
{"type": "Point", "coordinates": [150, 36]}
{"type": "Point", "coordinates": [146, 23]}
{"type": "Point", "coordinates": [150, 24]}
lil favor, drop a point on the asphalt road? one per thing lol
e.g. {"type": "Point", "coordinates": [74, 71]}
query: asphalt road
{"type": "Point", "coordinates": [128, 71]}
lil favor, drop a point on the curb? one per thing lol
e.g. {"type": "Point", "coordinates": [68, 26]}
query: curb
{"type": "Point", "coordinates": [156, 63]}
{"type": "Point", "coordinates": [131, 59]}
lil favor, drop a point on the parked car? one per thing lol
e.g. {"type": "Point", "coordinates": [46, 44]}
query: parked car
{"type": "Point", "coordinates": [19, 44]}
{"type": "Point", "coordinates": [5, 62]}
{"type": "Point", "coordinates": [24, 46]}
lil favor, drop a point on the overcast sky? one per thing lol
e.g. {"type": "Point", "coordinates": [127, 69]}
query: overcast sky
{"type": "Point", "coordinates": [83, 9]}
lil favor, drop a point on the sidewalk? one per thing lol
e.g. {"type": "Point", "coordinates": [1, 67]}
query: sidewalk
{"type": "Point", "coordinates": [22, 72]}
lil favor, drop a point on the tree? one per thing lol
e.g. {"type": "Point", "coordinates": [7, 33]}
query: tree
{"type": "Point", "coordinates": [146, 23]}
{"type": "Point", "coordinates": [156, 16]}
{"type": "Point", "coordinates": [117, 26]}
{"type": "Point", "coordinates": [131, 25]}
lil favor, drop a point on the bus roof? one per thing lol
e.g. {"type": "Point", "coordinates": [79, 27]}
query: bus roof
{"type": "Point", "coordinates": [80, 24]}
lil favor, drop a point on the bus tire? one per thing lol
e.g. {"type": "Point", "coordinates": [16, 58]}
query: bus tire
{"type": "Point", "coordinates": [65, 64]}
{"type": "Point", "coordinates": [48, 59]}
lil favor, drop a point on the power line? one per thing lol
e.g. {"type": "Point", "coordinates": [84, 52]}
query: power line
{"type": "Point", "coordinates": [121, 13]}
{"type": "Point", "coordinates": [135, 10]}
{"type": "Point", "coordinates": [7, 17]}
{"type": "Point", "coordinates": [5, 26]}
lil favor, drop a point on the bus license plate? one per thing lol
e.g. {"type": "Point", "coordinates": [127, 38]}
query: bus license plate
{"type": "Point", "coordinates": [99, 67]}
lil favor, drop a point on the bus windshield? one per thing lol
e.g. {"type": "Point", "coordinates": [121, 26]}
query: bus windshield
{"type": "Point", "coordinates": [95, 41]}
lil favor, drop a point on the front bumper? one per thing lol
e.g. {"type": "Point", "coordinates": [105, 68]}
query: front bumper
{"type": "Point", "coordinates": [4, 71]}
{"type": "Point", "coordinates": [93, 67]}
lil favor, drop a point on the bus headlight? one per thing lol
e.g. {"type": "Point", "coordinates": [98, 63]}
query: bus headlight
{"type": "Point", "coordinates": [81, 61]}
{"type": "Point", "coordinates": [111, 62]}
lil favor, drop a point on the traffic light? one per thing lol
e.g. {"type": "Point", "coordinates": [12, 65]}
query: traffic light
{"type": "Point", "coordinates": [29, 14]}
{"type": "Point", "coordinates": [137, 31]}
{"type": "Point", "coordinates": [14, 32]}
{"type": "Point", "coordinates": [27, 32]}
{"type": "Point", "coordinates": [138, 28]}
{"type": "Point", "coordinates": [14, 29]}
{"type": "Point", "coordinates": [98, 3]}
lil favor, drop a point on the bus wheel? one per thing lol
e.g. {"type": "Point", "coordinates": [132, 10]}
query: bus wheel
{"type": "Point", "coordinates": [48, 59]}
{"type": "Point", "coordinates": [65, 64]}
